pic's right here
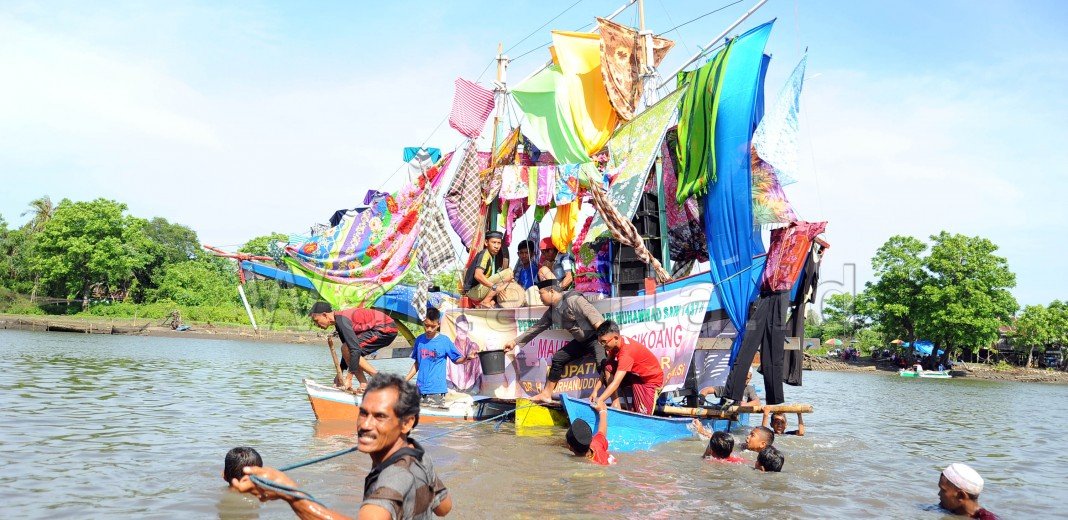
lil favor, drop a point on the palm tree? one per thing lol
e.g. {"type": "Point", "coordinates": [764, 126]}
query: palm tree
{"type": "Point", "coordinates": [42, 210]}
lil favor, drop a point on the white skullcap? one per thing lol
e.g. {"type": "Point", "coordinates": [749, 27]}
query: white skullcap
{"type": "Point", "coordinates": [965, 478]}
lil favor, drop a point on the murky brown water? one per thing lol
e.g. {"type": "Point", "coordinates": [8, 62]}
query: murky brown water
{"type": "Point", "coordinates": [104, 427]}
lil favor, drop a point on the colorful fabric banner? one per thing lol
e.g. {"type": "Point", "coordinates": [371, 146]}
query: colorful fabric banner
{"type": "Point", "coordinates": [669, 323]}
{"type": "Point", "coordinates": [776, 137]}
{"type": "Point", "coordinates": [471, 106]}
{"type": "Point", "coordinates": [579, 57]}
{"type": "Point", "coordinates": [685, 230]}
{"type": "Point", "coordinates": [728, 206]}
{"type": "Point", "coordinates": [463, 198]}
{"type": "Point", "coordinates": [622, 51]}
{"type": "Point", "coordinates": [565, 224]}
{"type": "Point", "coordinates": [632, 153]}
{"type": "Point", "coordinates": [547, 113]}
{"type": "Point", "coordinates": [697, 125]}
{"type": "Point", "coordinates": [435, 246]}
{"type": "Point", "coordinates": [513, 182]}
{"type": "Point", "coordinates": [566, 183]}
{"type": "Point", "coordinates": [546, 185]}
{"type": "Point", "coordinates": [355, 262]}
{"type": "Point", "coordinates": [770, 205]}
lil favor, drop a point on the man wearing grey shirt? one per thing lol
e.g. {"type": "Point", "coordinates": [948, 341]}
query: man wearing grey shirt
{"type": "Point", "coordinates": [402, 483]}
{"type": "Point", "coordinates": [572, 312]}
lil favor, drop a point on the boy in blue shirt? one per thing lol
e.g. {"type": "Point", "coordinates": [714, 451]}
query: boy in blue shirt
{"type": "Point", "coordinates": [430, 354]}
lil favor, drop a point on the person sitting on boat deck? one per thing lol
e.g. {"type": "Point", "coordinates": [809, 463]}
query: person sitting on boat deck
{"type": "Point", "coordinates": [571, 311]}
{"type": "Point", "coordinates": [770, 459]}
{"type": "Point", "coordinates": [402, 482]}
{"type": "Point", "coordinates": [363, 332]}
{"type": "Point", "coordinates": [584, 443]}
{"type": "Point", "coordinates": [430, 351]}
{"type": "Point", "coordinates": [633, 366]}
{"type": "Point", "coordinates": [749, 396]}
{"type": "Point", "coordinates": [235, 462]}
{"type": "Point", "coordinates": [483, 281]}
{"type": "Point", "coordinates": [958, 492]}
{"type": "Point", "coordinates": [555, 264]}
{"type": "Point", "coordinates": [778, 424]}
{"type": "Point", "coordinates": [759, 438]}
{"type": "Point", "coordinates": [526, 272]}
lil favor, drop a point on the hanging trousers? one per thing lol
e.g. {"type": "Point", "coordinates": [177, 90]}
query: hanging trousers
{"type": "Point", "coordinates": [764, 331]}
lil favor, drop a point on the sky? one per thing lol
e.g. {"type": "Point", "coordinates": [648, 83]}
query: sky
{"type": "Point", "coordinates": [247, 118]}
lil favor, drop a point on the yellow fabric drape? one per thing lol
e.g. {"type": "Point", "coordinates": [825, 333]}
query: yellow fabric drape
{"type": "Point", "coordinates": [565, 224]}
{"type": "Point", "coordinates": [579, 57]}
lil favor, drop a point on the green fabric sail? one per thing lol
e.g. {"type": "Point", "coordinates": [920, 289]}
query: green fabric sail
{"type": "Point", "coordinates": [548, 121]}
{"type": "Point", "coordinates": [697, 126]}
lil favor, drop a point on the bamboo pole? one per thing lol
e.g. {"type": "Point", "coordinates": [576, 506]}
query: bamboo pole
{"type": "Point", "coordinates": [732, 411]}
{"type": "Point", "coordinates": [333, 355]}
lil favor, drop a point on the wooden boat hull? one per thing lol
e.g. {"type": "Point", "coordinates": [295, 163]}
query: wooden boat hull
{"type": "Point", "coordinates": [629, 431]}
{"type": "Point", "coordinates": [330, 404]}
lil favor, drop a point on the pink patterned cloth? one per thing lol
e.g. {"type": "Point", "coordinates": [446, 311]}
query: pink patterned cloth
{"type": "Point", "coordinates": [787, 253]}
{"type": "Point", "coordinates": [471, 106]}
{"type": "Point", "coordinates": [546, 184]}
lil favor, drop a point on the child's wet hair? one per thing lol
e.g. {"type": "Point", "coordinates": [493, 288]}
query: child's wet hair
{"type": "Point", "coordinates": [237, 459]}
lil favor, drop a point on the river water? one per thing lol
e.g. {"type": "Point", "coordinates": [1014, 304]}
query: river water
{"type": "Point", "coordinates": [110, 426]}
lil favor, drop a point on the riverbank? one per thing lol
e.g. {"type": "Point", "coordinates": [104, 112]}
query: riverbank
{"type": "Point", "coordinates": [148, 327]}
{"type": "Point", "coordinates": [970, 370]}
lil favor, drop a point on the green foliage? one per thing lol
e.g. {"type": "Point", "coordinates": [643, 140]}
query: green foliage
{"type": "Point", "coordinates": [895, 296]}
{"type": "Point", "coordinates": [841, 317]}
{"type": "Point", "coordinates": [12, 302]}
{"type": "Point", "coordinates": [198, 282]}
{"type": "Point", "coordinates": [261, 245]}
{"type": "Point", "coordinates": [160, 243]}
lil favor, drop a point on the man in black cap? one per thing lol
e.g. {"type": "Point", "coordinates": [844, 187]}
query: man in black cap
{"type": "Point", "coordinates": [582, 442]}
{"type": "Point", "coordinates": [363, 332]}
{"type": "Point", "coordinates": [570, 311]}
{"type": "Point", "coordinates": [483, 281]}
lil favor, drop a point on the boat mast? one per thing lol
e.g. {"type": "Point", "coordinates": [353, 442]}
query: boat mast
{"type": "Point", "coordinates": [713, 42]}
{"type": "Point", "coordinates": [500, 93]}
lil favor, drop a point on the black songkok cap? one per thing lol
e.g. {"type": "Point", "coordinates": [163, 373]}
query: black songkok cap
{"type": "Point", "coordinates": [320, 307]}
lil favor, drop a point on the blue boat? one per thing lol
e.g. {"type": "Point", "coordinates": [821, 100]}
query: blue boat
{"type": "Point", "coordinates": [630, 431]}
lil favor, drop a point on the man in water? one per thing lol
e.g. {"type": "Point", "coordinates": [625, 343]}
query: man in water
{"type": "Point", "coordinates": [363, 332]}
{"type": "Point", "coordinates": [483, 281]}
{"type": "Point", "coordinates": [584, 443]}
{"type": "Point", "coordinates": [570, 311]}
{"type": "Point", "coordinates": [632, 365]}
{"type": "Point", "coordinates": [778, 424]}
{"type": "Point", "coordinates": [958, 492]}
{"type": "Point", "coordinates": [749, 397]}
{"type": "Point", "coordinates": [430, 351]}
{"type": "Point", "coordinates": [402, 482]}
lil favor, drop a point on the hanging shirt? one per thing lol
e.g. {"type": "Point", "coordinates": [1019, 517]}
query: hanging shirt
{"type": "Point", "coordinates": [787, 254]}
{"type": "Point", "coordinates": [430, 356]}
{"type": "Point", "coordinates": [638, 361]}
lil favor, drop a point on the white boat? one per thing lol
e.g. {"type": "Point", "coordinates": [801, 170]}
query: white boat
{"type": "Point", "coordinates": [333, 404]}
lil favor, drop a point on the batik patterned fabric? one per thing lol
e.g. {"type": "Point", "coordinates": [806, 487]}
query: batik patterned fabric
{"type": "Point", "coordinates": [623, 230]}
{"type": "Point", "coordinates": [566, 183]}
{"type": "Point", "coordinates": [471, 106]}
{"type": "Point", "coordinates": [579, 57]}
{"type": "Point", "coordinates": [622, 50]}
{"type": "Point", "coordinates": [355, 262]}
{"type": "Point", "coordinates": [632, 153]}
{"type": "Point", "coordinates": [697, 125]}
{"type": "Point", "coordinates": [776, 137]}
{"type": "Point", "coordinates": [787, 252]}
{"type": "Point", "coordinates": [685, 230]}
{"type": "Point", "coordinates": [770, 205]}
{"type": "Point", "coordinates": [514, 182]}
{"type": "Point", "coordinates": [463, 199]}
{"type": "Point", "coordinates": [435, 247]}
{"type": "Point", "coordinates": [547, 114]}
{"type": "Point", "coordinates": [546, 185]}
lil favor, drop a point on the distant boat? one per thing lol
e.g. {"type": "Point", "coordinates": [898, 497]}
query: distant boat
{"type": "Point", "coordinates": [926, 374]}
{"type": "Point", "coordinates": [332, 404]}
{"type": "Point", "coordinates": [630, 431]}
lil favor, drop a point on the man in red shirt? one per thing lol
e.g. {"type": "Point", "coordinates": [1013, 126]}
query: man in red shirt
{"type": "Point", "coordinates": [363, 332]}
{"type": "Point", "coordinates": [582, 441]}
{"type": "Point", "coordinates": [633, 366]}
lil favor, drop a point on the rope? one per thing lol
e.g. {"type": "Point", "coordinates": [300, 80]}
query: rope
{"type": "Point", "coordinates": [304, 495]}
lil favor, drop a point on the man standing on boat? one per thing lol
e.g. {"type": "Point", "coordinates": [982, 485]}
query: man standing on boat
{"type": "Point", "coordinates": [482, 280]}
{"type": "Point", "coordinates": [634, 367]}
{"type": "Point", "coordinates": [570, 311]}
{"type": "Point", "coordinates": [363, 332]}
{"type": "Point", "coordinates": [402, 482]}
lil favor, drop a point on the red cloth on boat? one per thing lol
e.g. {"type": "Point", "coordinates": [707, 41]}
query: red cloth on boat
{"type": "Point", "coordinates": [599, 447]}
{"type": "Point", "coordinates": [787, 253]}
{"type": "Point", "coordinates": [367, 319]}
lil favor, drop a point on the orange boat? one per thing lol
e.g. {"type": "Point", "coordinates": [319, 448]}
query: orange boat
{"type": "Point", "coordinates": [332, 404]}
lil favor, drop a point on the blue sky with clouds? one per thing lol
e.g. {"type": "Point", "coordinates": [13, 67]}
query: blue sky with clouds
{"type": "Point", "coordinates": [242, 119]}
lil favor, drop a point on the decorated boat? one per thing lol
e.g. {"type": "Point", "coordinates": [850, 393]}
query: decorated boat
{"type": "Point", "coordinates": [924, 374]}
{"type": "Point", "coordinates": [630, 431]}
{"type": "Point", "coordinates": [332, 404]}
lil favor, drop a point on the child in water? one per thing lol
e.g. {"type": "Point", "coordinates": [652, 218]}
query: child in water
{"type": "Point", "coordinates": [582, 442]}
{"type": "Point", "coordinates": [770, 459]}
{"type": "Point", "coordinates": [720, 447]}
{"type": "Point", "coordinates": [236, 460]}
{"type": "Point", "coordinates": [759, 438]}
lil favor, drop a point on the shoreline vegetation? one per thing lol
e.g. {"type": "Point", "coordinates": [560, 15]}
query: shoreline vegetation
{"type": "Point", "coordinates": [150, 327]}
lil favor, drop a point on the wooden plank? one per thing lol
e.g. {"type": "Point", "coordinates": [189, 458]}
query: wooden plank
{"type": "Point", "coordinates": [713, 413]}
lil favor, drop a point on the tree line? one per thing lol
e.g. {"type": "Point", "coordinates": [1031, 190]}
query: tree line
{"type": "Point", "coordinates": [94, 257]}
{"type": "Point", "coordinates": [954, 291]}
